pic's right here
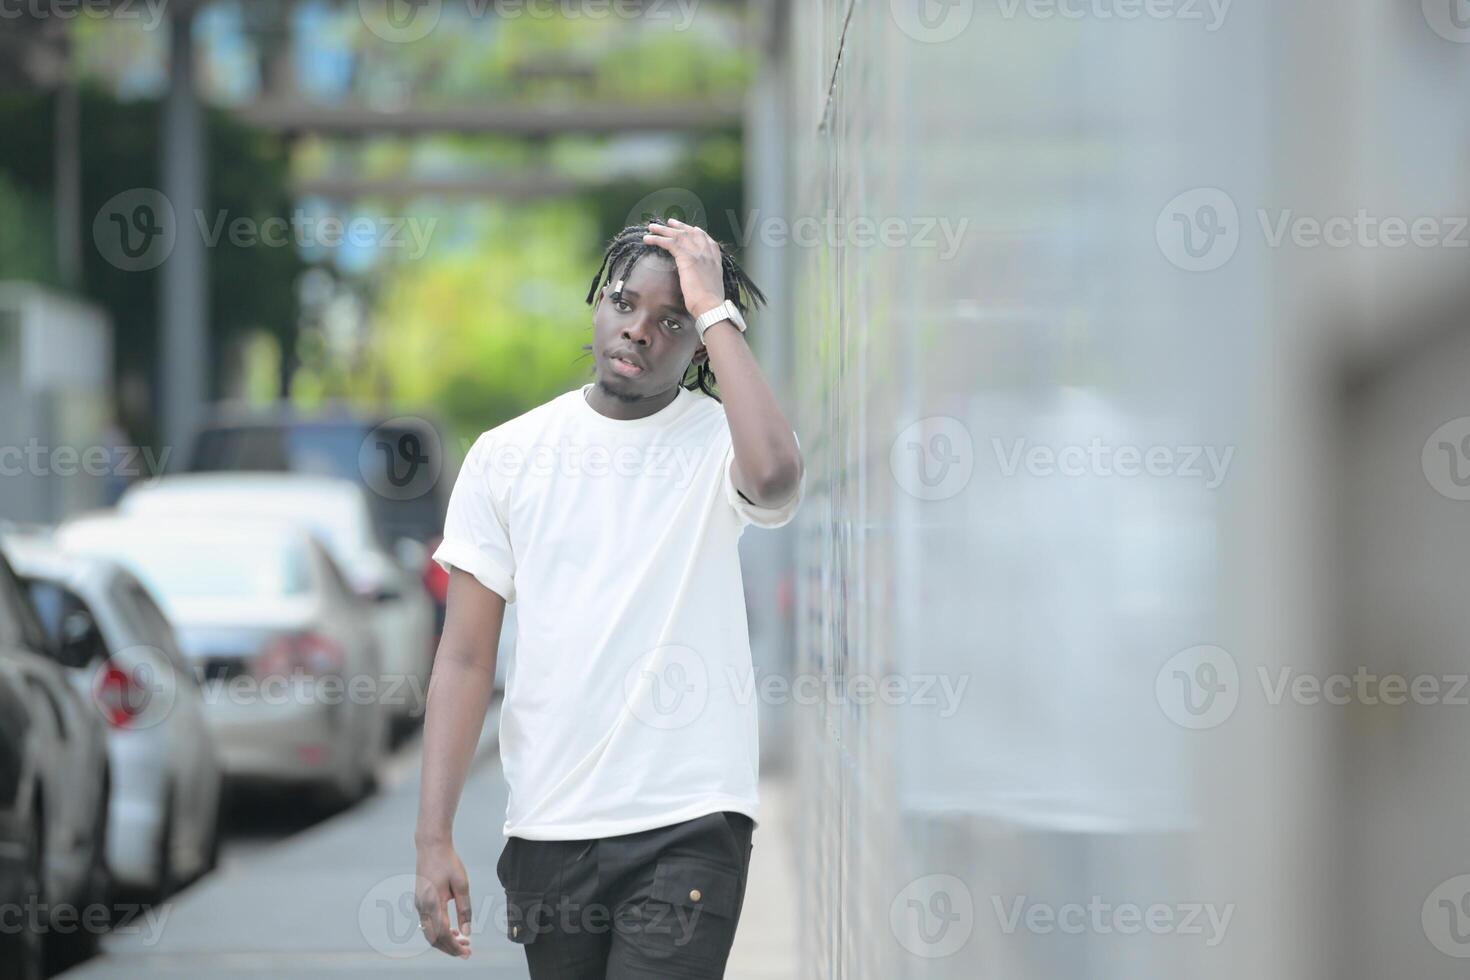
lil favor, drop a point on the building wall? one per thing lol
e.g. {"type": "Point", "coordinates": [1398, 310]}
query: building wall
{"type": "Point", "coordinates": [1075, 721]}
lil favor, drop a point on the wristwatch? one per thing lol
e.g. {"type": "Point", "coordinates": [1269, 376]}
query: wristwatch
{"type": "Point", "coordinates": [725, 311]}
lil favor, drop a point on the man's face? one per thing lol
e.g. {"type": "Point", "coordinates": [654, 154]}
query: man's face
{"type": "Point", "coordinates": [646, 325]}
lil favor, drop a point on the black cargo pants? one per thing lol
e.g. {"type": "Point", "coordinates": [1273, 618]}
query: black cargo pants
{"type": "Point", "coordinates": [658, 903]}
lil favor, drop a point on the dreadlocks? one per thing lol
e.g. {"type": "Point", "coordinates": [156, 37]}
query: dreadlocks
{"type": "Point", "coordinates": [628, 246]}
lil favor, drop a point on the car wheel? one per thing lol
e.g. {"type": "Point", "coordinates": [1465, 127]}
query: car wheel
{"type": "Point", "coordinates": [82, 942]}
{"type": "Point", "coordinates": [23, 951]}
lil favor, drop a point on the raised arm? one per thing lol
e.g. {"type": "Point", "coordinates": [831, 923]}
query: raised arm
{"type": "Point", "coordinates": [768, 465]}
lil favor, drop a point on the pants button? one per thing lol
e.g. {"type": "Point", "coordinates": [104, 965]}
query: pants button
{"type": "Point", "coordinates": [694, 896]}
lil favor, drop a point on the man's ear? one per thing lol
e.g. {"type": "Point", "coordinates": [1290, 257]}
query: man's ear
{"type": "Point", "coordinates": [701, 354]}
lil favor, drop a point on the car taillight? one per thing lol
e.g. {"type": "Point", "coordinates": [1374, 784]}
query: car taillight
{"type": "Point", "coordinates": [436, 580]}
{"type": "Point", "coordinates": [299, 653]}
{"type": "Point", "coordinates": [118, 697]}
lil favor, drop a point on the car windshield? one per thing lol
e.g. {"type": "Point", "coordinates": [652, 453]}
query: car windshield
{"type": "Point", "coordinates": [212, 564]}
{"type": "Point", "coordinates": [326, 449]}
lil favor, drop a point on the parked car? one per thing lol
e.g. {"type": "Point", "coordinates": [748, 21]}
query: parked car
{"type": "Point", "coordinates": [281, 644]}
{"type": "Point", "coordinates": [54, 781]}
{"type": "Point", "coordinates": [403, 462]}
{"type": "Point", "coordinates": [122, 654]}
{"type": "Point", "coordinates": [339, 513]}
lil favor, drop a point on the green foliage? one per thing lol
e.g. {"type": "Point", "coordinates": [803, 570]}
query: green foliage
{"type": "Point", "coordinates": [251, 288]}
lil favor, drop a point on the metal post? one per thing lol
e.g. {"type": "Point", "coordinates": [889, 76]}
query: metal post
{"type": "Point", "coordinates": [185, 286]}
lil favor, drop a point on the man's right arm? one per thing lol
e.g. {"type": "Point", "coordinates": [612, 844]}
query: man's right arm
{"type": "Point", "coordinates": [460, 689]}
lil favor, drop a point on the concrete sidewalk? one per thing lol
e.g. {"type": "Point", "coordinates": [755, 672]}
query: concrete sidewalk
{"type": "Point", "coordinates": [337, 898]}
{"type": "Point", "coordinates": [765, 946]}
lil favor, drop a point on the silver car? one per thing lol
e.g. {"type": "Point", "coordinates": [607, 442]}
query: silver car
{"type": "Point", "coordinates": [337, 511]}
{"type": "Point", "coordinates": [289, 666]}
{"type": "Point", "coordinates": [122, 655]}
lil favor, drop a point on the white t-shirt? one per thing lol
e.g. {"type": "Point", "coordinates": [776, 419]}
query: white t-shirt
{"type": "Point", "coordinates": [630, 700]}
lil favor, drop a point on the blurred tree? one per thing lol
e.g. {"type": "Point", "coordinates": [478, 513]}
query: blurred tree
{"type": "Point", "coordinates": [252, 286]}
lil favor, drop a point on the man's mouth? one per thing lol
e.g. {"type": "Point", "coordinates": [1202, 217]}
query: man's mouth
{"type": "Point", "coordinates": [624, 367]}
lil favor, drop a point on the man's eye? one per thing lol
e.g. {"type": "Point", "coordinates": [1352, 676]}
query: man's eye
{"type": "Point", "coordinates": [673, 324]}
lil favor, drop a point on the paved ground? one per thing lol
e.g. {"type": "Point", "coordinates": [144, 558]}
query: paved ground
{"type": "Point", "coordinates": [336, 898]}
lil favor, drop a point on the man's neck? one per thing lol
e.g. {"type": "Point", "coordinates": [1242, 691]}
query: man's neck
{"type": "Point", "coordinates": [616, 405]}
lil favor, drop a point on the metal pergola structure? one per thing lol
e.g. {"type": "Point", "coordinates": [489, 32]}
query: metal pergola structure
{"type": "Point", "coordinates": [34, 52]}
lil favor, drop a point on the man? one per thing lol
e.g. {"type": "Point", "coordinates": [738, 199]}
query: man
{"type": "Point", "coordinates": [612, 515]}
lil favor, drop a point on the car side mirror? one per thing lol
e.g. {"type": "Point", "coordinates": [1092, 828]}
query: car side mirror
{"type": "Point", "coordinates": [81, 642]}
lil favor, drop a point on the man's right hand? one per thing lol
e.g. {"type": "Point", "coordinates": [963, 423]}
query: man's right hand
{"type": "Point", "coordinates": [441, 877]}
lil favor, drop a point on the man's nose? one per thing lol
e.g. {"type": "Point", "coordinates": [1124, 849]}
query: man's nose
{"type": "Point", "coordinates": [639, 330]}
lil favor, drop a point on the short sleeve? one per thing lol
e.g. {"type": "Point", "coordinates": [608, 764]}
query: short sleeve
{"type": "Point", "coordinates": [476, 529]}
{"type": "Point", "coordinates": [749, 513]}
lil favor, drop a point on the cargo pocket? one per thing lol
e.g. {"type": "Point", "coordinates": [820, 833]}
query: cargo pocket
{"type": "Point", "coordinates": [527, 915]}
{"type": "Point", "coordinates": [690, 913]}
